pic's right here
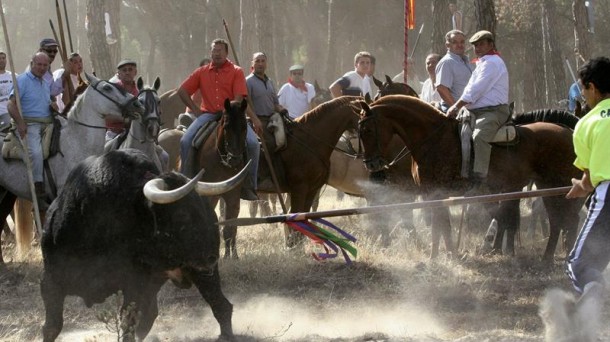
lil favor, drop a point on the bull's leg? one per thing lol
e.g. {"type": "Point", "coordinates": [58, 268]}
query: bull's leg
{"type": "Point", "coordinates": [562, 213]}
{"type": "Point", "coordinates": [253, 207]}
{"type": "Point", "coordinates": [146, 306]}
{"type": "Point", "coordinates": [209, 287]}
{"type": "Point", "coordinates": [53, 299]}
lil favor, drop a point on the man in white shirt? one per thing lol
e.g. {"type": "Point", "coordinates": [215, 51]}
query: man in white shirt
{"type": "Point", "coordinates": [428, 92]}
{"type": "Point", "coordinates": [486, 96]}
{"type": "Point", "coordinates": [355, 82]}
{"type": "Point", "coordinates": [296, 95]}
{"type": "Point", "coordinates": [6, 84]}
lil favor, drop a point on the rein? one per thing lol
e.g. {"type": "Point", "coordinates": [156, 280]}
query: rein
{"type": "Point", "coordinates": [151, 113]}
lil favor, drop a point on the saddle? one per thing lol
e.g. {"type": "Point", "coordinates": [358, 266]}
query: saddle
{"type": "Point", "coordinates": [275, 141]}
{"type": "Point", "coordinates": [202, 134]}
{"type": "Point", "coordinates": [505, 136]}
{"type": "Point", "coordinates": [12, 149]}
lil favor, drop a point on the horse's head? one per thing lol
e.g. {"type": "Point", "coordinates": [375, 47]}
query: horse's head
{"type": "Point", "coordinates": [111, 99]}
{"type": "Point", "coordinates": [375, 134]}
{"type": "Point", "coordinates": [322, 95]}
{"type": "Point", "coordinates": [231, 133]}
{"type": "Point", "coordinates": [149, 121]}
{"type": "Point", "coordinates": [390, 87]}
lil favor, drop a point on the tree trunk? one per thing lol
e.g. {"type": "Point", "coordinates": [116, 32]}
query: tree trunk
{"type": "Point", "coordinates": [247, 41]}
{"type": "Point", "coordinates": [441, 24]}
{"type": "Point", "coordinates": [331, 59]}
{"type": "Point", "coordinates": [556, 82]}
{"type": "Point", "coordinates": [485, 14]}
{"type": "Point", "coordinates": [113, 7]}
{"type": "Point", "coordinates": [533, 83]}
{"type": "Point", "coordinates": [99, 53]}
{"type": "Point", "coordinates": [582, 36]}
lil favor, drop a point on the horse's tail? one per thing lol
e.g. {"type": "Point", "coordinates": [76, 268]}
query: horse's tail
{"type": "Point", "coordinates": [556, 116]}
{"type": "Point", "coordinates": [24, 227]}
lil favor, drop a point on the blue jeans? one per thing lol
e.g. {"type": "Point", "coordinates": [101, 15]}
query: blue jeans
{"type": "Point", "coordinates": [34, 141]}
{"type": "Point", "coordinates": [251, 141]}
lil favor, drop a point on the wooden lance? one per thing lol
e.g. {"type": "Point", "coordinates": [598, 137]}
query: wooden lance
{"type": "Point", "coordinates": [398, 206]}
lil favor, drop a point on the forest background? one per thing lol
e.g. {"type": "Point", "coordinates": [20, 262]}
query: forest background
{"type": "Point", "coordinates": [536, 38]}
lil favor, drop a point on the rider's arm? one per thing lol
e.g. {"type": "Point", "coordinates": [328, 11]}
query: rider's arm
{"type": "Point", "coordinates": [188, 101]}
{"type": "Point", "coordinates": [14, 112]}
{"type": "Point", "coordinates": [335, 89]}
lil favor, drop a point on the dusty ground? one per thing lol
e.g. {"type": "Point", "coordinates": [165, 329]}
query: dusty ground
{"type": "Point", "coordinates": [390, 293]}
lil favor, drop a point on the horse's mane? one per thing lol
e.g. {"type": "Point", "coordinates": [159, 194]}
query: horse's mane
{"type": "Point", "coordinates": [413, 103]}
{"type": "Point", "coordinates": [326, 107]}
{"type": "Point", "coordinates": [556, 116]}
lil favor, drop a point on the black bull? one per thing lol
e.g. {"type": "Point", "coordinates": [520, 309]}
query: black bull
{"type": "Point", "coordinates": [103, 235]}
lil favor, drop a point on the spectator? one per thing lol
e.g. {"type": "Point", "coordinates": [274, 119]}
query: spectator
{"type": "Point", "coordinates": [453, 70]}
{"type": "Point", "coordinates": [428, 92]}
{"type": "Point", "coordinates": [573, 96]}
{"type": "Point", "coordinates": [296, 95]}
{"type": "Point", "coordinates": [456, 16]}
{"type": "Point", "coordinates": [355, 82]}
{"type": "Point", "coordinates": [6, 85]}
{"type": "Point", "coordinates": [75, 66]}
{"type": "Point", "coordinates": [127, 70]}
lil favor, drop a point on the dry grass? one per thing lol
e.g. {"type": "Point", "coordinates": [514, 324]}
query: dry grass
{"type": "Point", "coordinates": [390, 293]}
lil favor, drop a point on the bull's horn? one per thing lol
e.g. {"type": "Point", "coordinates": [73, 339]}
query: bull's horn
{"type": "Point", "coordinates": [156, 190]}
{"type": "Point", "coordinates": [215, 189]}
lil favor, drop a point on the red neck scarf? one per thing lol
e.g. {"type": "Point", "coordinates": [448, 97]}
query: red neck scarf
{"type": "Point", "coordinates": [302, 86]}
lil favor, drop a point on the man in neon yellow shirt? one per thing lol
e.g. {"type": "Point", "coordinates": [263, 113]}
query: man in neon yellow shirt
{"type": "Point", "coordinates": [591, 254]}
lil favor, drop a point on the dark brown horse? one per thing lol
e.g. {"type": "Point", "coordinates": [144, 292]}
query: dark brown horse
{"type": "Point", "coordinates": [310, 142]}
{"type": "Point", "coordinates": [222, 157]}
{"type": "Point", "coordinates": [544, 155]}
{"type": "Point", "coordinates": [390, 87]}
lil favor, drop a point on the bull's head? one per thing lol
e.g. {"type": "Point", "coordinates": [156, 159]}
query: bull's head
{"type": "Point", "coordinates": [156, 189]}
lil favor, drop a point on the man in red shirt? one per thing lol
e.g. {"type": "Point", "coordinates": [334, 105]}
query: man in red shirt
{"type": "Point", "coordinates": [127, 70]}
{"type": "Point", "coordinates": [217, 81]}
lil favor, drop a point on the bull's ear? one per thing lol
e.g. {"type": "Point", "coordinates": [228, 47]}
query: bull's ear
{"type": "Point", "coordinates": [244, 105]}
{"type": "Point", "coordinates": [140, 83]}
{"type": "Point", "coordinates": [157, 83]}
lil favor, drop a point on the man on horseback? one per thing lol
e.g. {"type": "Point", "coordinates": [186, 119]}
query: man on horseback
{"type": "Point", "coordinates": [453, 70]}
{"type": "Point", "coordinates": [486, 97]}
{"type": "Point", "coordinates": [34, 95]}
{"type": "Point", "coordinates": [127, 70]}
{"type": "Point", "coordinates": [263, 97]}
{"type": "Point", "coordinates": [217, 81]}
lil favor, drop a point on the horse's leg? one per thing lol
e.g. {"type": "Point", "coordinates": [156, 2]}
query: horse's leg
{"type": "Point", "coordinates": [264, 204]}
{"type": "Point", "coordinates": [441, 226]}
{"type": "Point", "coordinates": [316, 200]}
{"type": "Point", "coordinates": [508, 222]}
{"type": "Point", "coordinates": [24, 232]}
{"type": "Point", "coordinates": [563, 214]}
{"type": "Point", "coordinates": [300, 201]}
{"type": "Point", "coordinates": [230, 232]}
{"type": "Point", "coordinates": [6, 205]}
{"type": "Point", "coordinates": [253, 206]}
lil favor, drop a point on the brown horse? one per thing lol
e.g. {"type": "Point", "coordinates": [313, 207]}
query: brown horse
{"type": "Point", "coordinates": [171, 107]}
{"type": "Point", "coordinates": [222, 156]}
{"type": "Point", "coordinates": [544, 155]}
{"type": "Point", "coordinates": [310, 142]}
{"type": "Point", "coordinates": [390, 87]}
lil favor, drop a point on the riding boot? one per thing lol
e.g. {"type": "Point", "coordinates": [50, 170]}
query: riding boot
{"type": "Point", "coordinates": [41, 196]}
{"type": "Point", "coordinates": [247, 191]}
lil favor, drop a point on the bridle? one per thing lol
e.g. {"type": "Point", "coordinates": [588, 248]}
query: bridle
{"type": "Point", "coordinates": [151, 114]}
{"type": "Point", "coordinates": [230, 159]}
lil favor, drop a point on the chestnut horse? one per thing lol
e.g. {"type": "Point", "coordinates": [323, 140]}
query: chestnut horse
{"type": "Point", "coordinates": [222, 156]}
{"type": "Point", "coordinates": [310, 141]}
{"type": "Point", "coordinates": [544, 155]}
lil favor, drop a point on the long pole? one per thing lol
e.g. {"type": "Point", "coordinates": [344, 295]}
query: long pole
{"type": "Point", "coordinates": [421, 28]}
{"type": "Point", "coordinates": [406, 37]}
{"type": "Point", "coordinates": [398, 206]}
{"type": "Point", "coordinates": [262, 138]}
{"type": "Point", "coordinates": [26, 154]}
{"type": "Point", "coordinates": [68, 26]}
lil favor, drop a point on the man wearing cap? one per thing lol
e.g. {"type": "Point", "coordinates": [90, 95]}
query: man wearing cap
{"type": "Point", "coordinates": [486, 97]}
{"type": "Point", "coordinates": [355, 82]}
{"type": "Point", "coordinates": [296, 95]}
{"type": "Point", "coordinates": [453, 70]}
{"type": "Point", "coordinates": [218, 81]}
{"type": "Point", "coordinates": [34, 95]}
{"type": "Point", "coordinates": [127, 70]}
{"type": "Point", "coordinates": [50, 47]}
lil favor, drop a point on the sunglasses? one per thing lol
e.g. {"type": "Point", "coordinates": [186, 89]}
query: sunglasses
{"type": "Point", "coordinates": [50, 50]}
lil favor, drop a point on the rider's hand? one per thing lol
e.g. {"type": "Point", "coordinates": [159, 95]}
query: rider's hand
{"type": "Point", "coordinates": [22, 129]}
{"type": "Point", "coordinates": [257, 125]}
{"type": "Point", "coordinates": [452, 112]}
